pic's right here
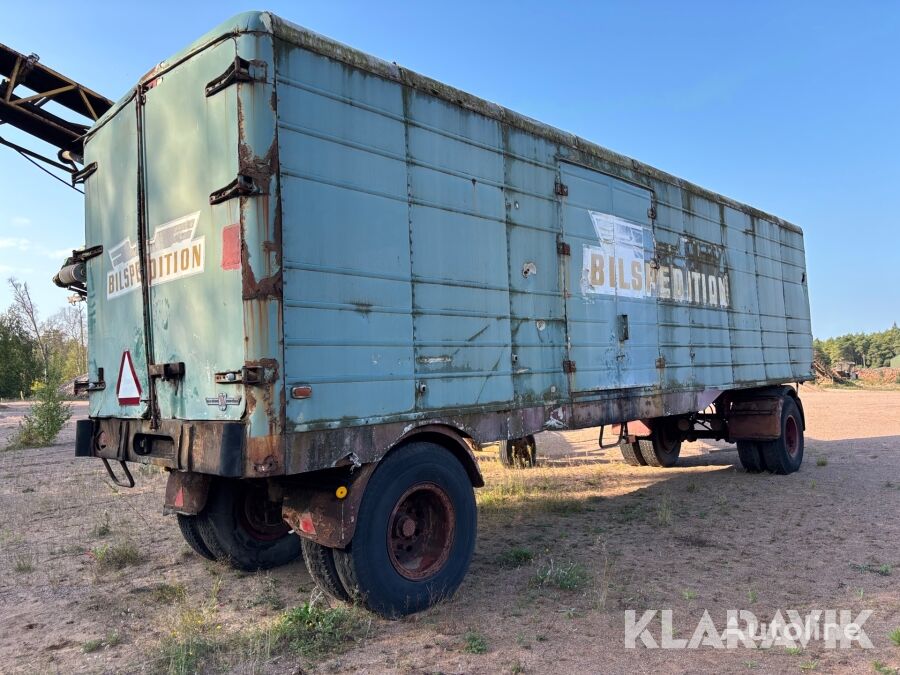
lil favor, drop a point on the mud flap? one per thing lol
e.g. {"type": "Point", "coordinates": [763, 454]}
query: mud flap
{"type": "Point", "coordinates": [186, 493]}
{"type": "Point", "coordinates": [84, 438]}
{"type": "Point", "coordinates": [325, 511]}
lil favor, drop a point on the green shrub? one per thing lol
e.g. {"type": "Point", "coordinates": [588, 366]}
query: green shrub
{"type": "Point", "coordinates": [475, 643]}
{"type": "Point", "coordinates": [515, 557]}
{"type": "Point", "coordinates": [116, 556]}
{"type": "Point", "coordinates": [48, 416]}
{"type": "Point", "coordinates": [894, 635]}
{"type": "Point", "coordinates": [565, 576]}
{"type": "Point", "coordinates": [192, 645]}
{"type": "Point", "coordinates": [311, 630]}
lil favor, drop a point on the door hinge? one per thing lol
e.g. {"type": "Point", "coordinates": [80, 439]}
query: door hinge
{"type": "Point", "coordinates": [79, 177]}
{"type": "Point", "coordinates": [561, 189]}
{"type": "Point", "coordinates": [651, 213]}
{"type": "Point", "coordinates": [242, 186]}
{"type": "Point", "coordinates": [85, 254]}
{"type": "Point", "coordinates": [562, 248]}
{"type": "Point", "coordinates": [240, 70]}
{"type": "Point", "coordinates": [568, 366]}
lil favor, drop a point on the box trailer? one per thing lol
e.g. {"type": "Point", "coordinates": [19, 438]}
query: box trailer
{"type": "Point", "coordinates": [317, 282]}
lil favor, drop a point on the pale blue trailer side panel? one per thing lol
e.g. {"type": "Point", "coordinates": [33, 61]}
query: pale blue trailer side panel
{"type": "Point", "coordinates": [422, 272]}
{"type": "Point", "coordinates": [461, 325]}
{"type": "Point", "coordinates": [347, 288]}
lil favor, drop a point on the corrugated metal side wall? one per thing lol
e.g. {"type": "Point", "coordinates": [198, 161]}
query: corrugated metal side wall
{"type": "Point", "coordinates": [347, 276]}
{"type": "Point", "coordinates": [405, 287]}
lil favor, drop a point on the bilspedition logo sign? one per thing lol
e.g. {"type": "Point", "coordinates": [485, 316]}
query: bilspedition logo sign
{"type": "Point", "coordinates": [175, 252]}
{"type": "Point", "coordinates": [837, 629]}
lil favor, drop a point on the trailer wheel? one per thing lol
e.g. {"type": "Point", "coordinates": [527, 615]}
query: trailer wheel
{"type": "Point", "coordinates": [240, 525]}
{"type": "Point", "coordinates": [785, 454]}
{"type": "Point", "coordinates": [664, 445]}
{"type": "Point", "coordinates": [751, 457]}
{"type": "Point", "coordinates": [632, 454]}
{"type": "Point", "coordinates": [190, 530]}
{"type": "Point", "coordinates": [320, 565]}
{"type": "Point", "coordinates": [519, 453]}
{"type": "Point", "coordinates": [415, 534]}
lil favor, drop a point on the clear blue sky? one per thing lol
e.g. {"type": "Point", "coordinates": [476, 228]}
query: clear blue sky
{"type": "Point", "coordinates": [791, 107]}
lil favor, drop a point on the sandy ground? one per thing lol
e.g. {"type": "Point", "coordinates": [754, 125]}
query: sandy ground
{"type": "Point", "coordinates": [702, 536]}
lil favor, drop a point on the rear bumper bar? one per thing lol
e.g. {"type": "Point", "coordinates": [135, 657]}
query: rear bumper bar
{"type": "Point", "coordinates": [216, 448]}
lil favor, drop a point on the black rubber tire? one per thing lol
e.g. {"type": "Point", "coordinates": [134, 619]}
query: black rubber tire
{"type": "Point", "coordinates": [751, 456]}
{"type": "Point", "coordinates": [519, 453]}
{"type": "Point", "coordinates": [663, 446]}
{"type": "Point", "coordinates": [228, 536]}
{"type": "Point", "coordinates": [365, 566]}
{"type": "Point", "coordinates": [191, 533]}
{"type": "Point", "coordinates": [631, 453]}
{"type": "Point", "coordinates": [778, 458]}
{"type": "Point", "coordinates": [320, 564]}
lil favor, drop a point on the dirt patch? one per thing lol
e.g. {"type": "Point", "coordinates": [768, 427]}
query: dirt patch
{"type": "Point", "coordinates": [563, 550]}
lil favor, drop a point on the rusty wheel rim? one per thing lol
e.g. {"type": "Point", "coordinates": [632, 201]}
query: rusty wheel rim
{"type": "Point", "coordinates": [260, 518]}
{"type": "Point", "coordinates": [791, 436]}
{"type": "Point", "coordinates": [420, 531]}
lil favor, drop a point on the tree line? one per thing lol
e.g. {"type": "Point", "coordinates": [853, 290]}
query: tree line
{"type": "Point", "coordinates": [869, 350]}
{"type": "Point", "coordinates": [33, 350]}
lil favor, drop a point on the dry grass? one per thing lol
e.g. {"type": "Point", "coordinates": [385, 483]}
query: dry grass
{"type": "Point", "coordinates": [540, 490]}
{"type": "Point", "coordinates": [116, 556]}
{"type": "Point", "coordinates": [563, 576]}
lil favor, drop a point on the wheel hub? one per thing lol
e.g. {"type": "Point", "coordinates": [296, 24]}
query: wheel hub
{"type": "Point", "coordinates": [420, 532]}
{"type": "Point", "coordinates": [260, 518]}
{"type": "Point", "coordinates": [407, 527]}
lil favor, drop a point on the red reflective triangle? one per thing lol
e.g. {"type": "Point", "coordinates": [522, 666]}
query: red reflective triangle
{"type": "Point", "coordinates": [128, 387]}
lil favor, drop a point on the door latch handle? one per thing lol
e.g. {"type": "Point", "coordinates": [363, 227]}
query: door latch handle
{"type": "Point", "coordinates": [168, 371]}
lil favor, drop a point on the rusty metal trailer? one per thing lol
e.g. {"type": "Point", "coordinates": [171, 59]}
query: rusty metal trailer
{"type": "Point", "coordinates": [317, 281]}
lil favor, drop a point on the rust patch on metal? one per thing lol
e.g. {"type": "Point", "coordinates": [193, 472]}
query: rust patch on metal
{"type": "Point", "coordinates": [268, 369]}
{"type": "Point", "coordinates": [261, 170]}
{"type": "Point", "coordinates": [265, 455]}
{"type": "Point", "coordinates": [267, 287]}
{"type": "Point", "coordinates": [205, 446]}
{"type": "Point", "coordinates": [329, 448]}
{"type": "Point", "coordinates": [324, 448]}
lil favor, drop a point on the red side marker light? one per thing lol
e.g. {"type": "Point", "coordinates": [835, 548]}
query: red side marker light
{"type": "Point", "coordinates": [301, 391]}
{"type": "Point", "coordinates": [306, 524]}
